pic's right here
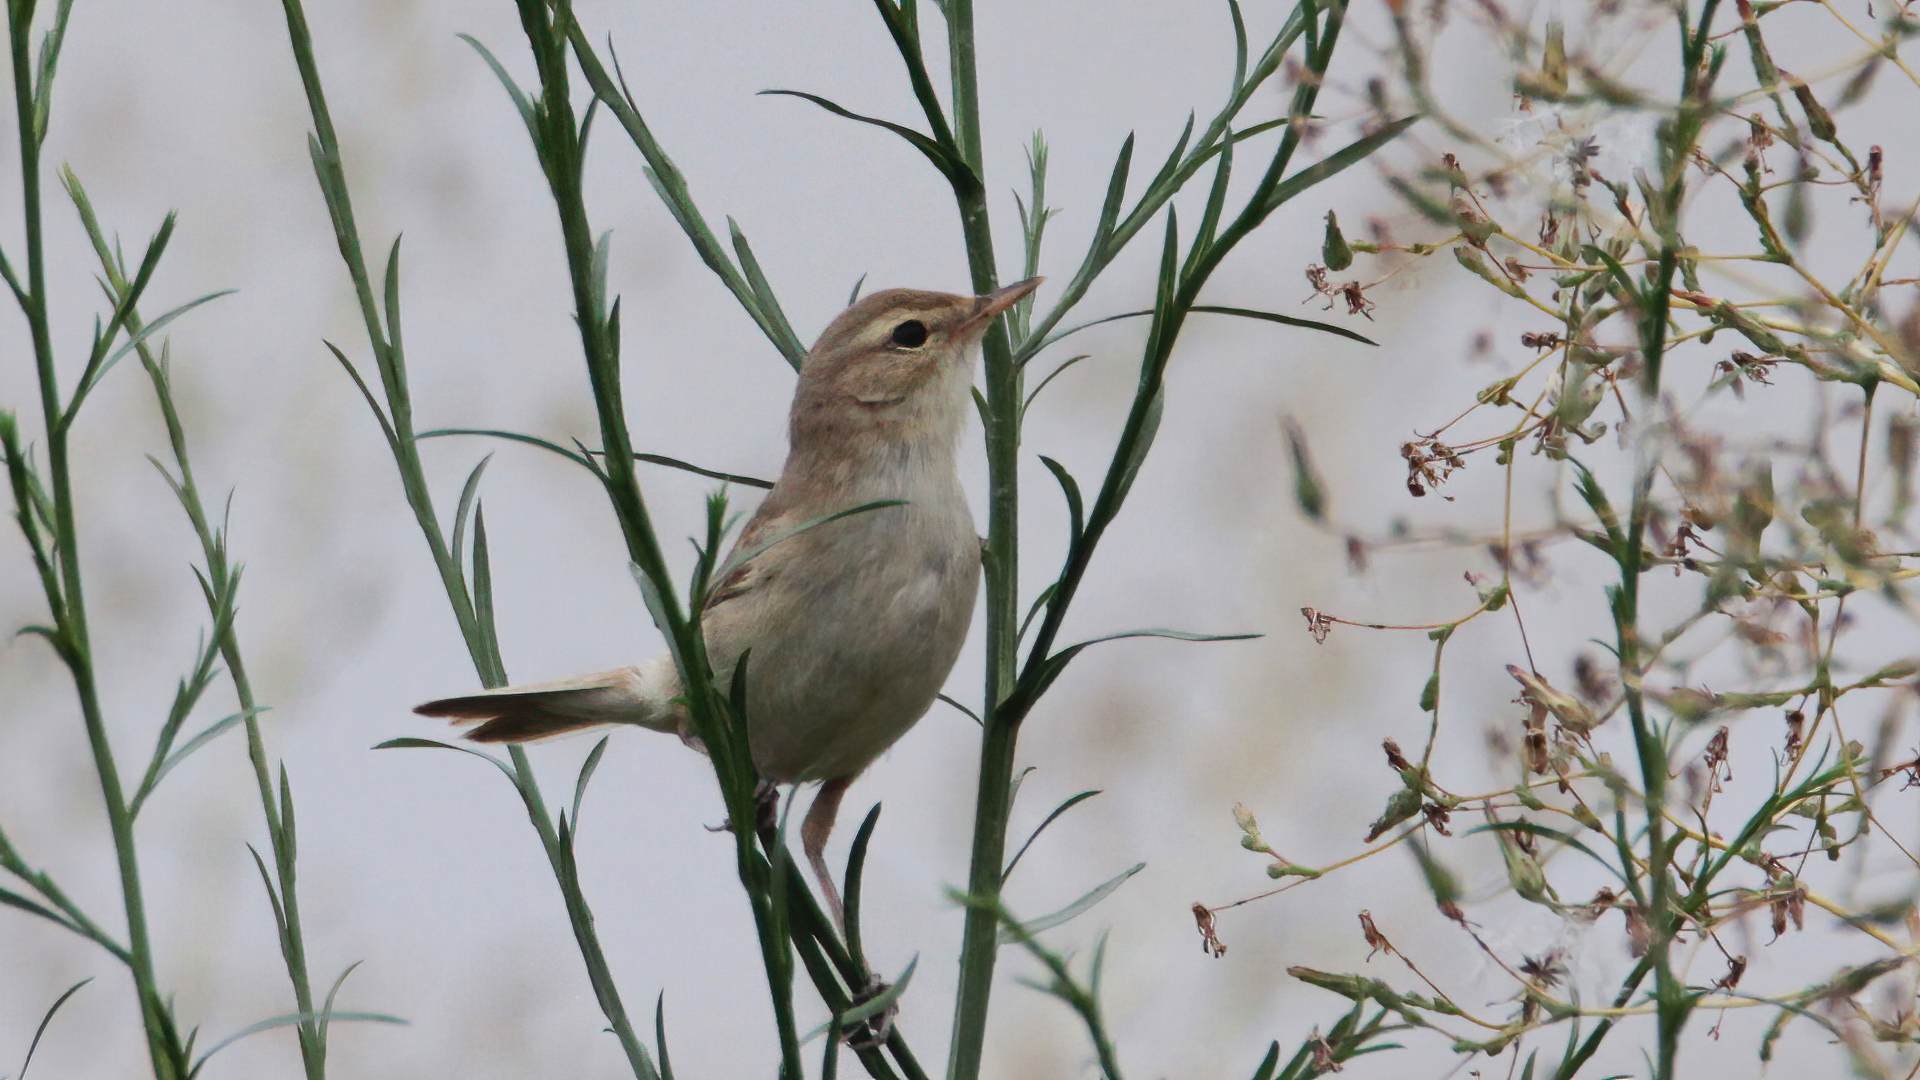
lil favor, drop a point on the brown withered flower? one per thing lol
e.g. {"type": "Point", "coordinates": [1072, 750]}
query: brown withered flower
{"type": "Point", "coordinates": [1319, 624]}
{"type": "Point", "coordinates": [1210, 942]}
{"type": "Point", "coordinates": [1376, 941]}
{"type": "Point", "coordinates": [1429, 463]}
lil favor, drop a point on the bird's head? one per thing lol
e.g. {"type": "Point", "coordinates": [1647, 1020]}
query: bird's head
{"type": "Point", "coordinates": [897, 364]}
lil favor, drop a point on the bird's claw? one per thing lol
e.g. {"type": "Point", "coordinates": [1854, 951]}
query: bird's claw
{"type": "Point", "coordinates": [876, 1029]}
{"type": "Point", "coordinates": [766, 806]}
{"type": "Point", "coordinates": [766, 809]}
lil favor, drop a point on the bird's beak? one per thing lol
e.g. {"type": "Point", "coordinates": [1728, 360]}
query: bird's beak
{"type": "Point", "coordinates": [997, 301]}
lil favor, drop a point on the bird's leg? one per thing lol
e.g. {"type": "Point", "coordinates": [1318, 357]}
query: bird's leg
{"type": "Point", "coordinates": [813, 840]}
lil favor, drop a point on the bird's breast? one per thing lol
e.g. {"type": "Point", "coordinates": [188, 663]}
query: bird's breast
{"type": "Point", "coordinates": [863, 639]}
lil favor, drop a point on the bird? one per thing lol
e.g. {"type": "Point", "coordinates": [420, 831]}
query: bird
{"type": "Point", "coordinates": [852, 625]}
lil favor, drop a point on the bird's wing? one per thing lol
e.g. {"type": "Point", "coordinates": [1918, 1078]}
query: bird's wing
{"type": "Point", "coordinates": [768, 523]}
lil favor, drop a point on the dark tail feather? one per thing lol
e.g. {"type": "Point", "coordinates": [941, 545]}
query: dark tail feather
{"type": "Point", "coordinates": [544, 710]}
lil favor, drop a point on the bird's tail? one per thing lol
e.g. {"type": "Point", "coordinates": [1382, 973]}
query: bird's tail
{"type": "Point", "coordinates": [629, 695]}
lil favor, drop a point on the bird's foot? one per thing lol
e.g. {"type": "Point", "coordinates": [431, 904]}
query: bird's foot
{"type": "Point", "coordinates": [876, 1029]}
{"type": "Point", "coordinates": [766, 809]}
{"type": "Point", "coordinates": [766, 805]}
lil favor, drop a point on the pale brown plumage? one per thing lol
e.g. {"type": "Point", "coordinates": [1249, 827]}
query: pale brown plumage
{"type": "Point", "coordinates": [853, 625]}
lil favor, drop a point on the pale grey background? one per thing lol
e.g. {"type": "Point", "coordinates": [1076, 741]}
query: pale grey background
{"type": "Point", "coordinates": [422, 864]}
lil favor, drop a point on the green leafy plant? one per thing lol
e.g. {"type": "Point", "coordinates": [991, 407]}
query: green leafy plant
{"type": "Point", "coordinates": [44, 503]}
{"type": "Point", "coordinates": [787, 920]}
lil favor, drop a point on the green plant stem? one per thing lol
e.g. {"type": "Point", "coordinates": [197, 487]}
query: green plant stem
{"type": "Point", "coordinates": [1169, 317]}
{"type": "Point", "coordinates": [672, 188]}
{"type": "Point", "coordinates": [70, 604]}
{"type": "Point", "coordinates": [562, 153]}
{"type": "Point", "coordinates": [212, 548]}
{"type": "Point", "coordinates": [1672, 1000]}
{"type": "Point", "coordinates": [1001, 730]}
{"type": "Point", "coordinates": [399, 425]}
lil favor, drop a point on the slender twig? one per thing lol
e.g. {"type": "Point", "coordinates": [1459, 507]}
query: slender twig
{"type": "Point", "coordinates": [66, 598]}
{"type": "Point", "coordinates": [384, 339]}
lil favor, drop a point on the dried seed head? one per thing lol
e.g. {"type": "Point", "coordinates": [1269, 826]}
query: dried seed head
{"type": "Point", "coordinates": [1376, 941]}
{"type": "Point", "coordinates": [1210, 943]}
{"type": "Point", "coordinates": [1736, 967]}
{"type": "Point", "coordinates": [1395, 759]}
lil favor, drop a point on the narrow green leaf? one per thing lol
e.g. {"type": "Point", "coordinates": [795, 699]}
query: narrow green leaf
{"type": "Point", "coordinates": [288, 834]}
{"type": "Point", "coordinates": [461, 512]}
{"type": "Point", "coordinates": [396, 354]}
{"type": "Point", "coordinates": [326, 1011]}
{"type": "Point", "coordinates": [586, 774]}
{"type": "Point", "coordinates": [1069, 804]}
{"type": "Point", "coordinates": [1216, 205]}
{"type": "Point", "coordinates": [519, 96]}
{"type": "Point", "coordinates": [183, 751]}
{"type": "Point", "coordinates": [1051, 375]}
{"type": "Point", "coordinates": [511, 436]}
{"type": "Point", "coordinates": [684, 466]}
{"type": "Point", "coordinates": [585, 459]}
{"type": "Point", "coordinates": [273, 897]}
{"type": "Point", "coordinates": [1116, 191]}
{"type": "Point", "coordinates": [1013, 788]}
{"type": "Point", "coordinates": [1136, 454]}
{"type": "Point", "coordinates": [1555, 835]}
{"type": "Point", "coordinates": [290, 1020]}
{"type": "Point", "coordinates": [1239, 48]}
{"type": "Point", "coordinates": [13, 899]}
{"type": "Point", "coordinates": [1076, 517]}
{"type": "Point", "coordinates": [1215, 309]}
{"type": "Point", "coordinates": [597, 274]}
{"type": "Point", "coordinates": [1308, 489]}
{"type": "Point", "coordinates": [1335, 163]}
{"type": "Point", "coordinates": [366, 392]}
{"type": "Point", "coordinates": [1056, 663]}
{"type": "Point", "coordinates": [49, 59]}
{"type": "Point", "coordinates": [970, 714]}
{"type": "Point", "coordinates": [135, 341]}
{"type": "Point", "coordinates": [739, 559]}
{"type": "Point", "coordinates": [1269, 1063]}
{"type": "Point", "coordinates": [54, 1008]}
{"type": "Point", "coordinates": [660, 1035]}
{"type": "Point", "coordinates": [952, 169]}
{"type": "Point", "coordinates": [1039, 601]}
{"type": "Point", "coordinates": [1172, 164]}
{"type": "Point", "coordinates": [483, 591]}
{"type": "Point", "coordinates": [873, 1006]}
{"type": "Point", "coordinates": [854, 296]}
{"type": "Point", "coordinates": [410, 743]}
{"type": "Point", "coordinates": [1074, 910]}
{"type": "Point", "coordinates": [884, 1000]}
{"type": "Point", "coordinates": [856, 874]}
{"type": "Point", "coordinates": [756, 278]}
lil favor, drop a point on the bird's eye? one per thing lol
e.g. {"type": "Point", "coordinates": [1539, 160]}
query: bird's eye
{"type": "Point", "coordinates": [910, 334]}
